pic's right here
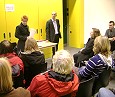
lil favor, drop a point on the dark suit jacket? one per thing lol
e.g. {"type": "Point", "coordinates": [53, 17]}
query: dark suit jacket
{"type": "Point", "coordinates": [50, 31]}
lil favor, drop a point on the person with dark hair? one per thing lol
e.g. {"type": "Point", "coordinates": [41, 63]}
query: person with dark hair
{"type": "Point", "coordinates": [6, 83]}
{"type": "Point", "coordinates": [6, 50]}
{"type": "Point", "coordinates": [87, 52]}
{"type": "Point", "coordinates": [110, 33]}
{"type": "Point", "coordinates": [53, 31]}
{"type": "Point", "coordinates": [22, 32]}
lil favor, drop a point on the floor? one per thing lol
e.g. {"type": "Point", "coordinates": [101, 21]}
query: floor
{"type": "Point", "coordinates": [75, 50]}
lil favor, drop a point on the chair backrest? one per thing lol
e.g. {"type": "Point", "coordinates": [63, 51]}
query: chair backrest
{"type": "Point", "coordinates": [85, 88]}
{"type": "Point", "coordinates": [102, 80]}
{"type": "Point", "coordinates": [38, 68]}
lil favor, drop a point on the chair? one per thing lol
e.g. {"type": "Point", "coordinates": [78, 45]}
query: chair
{"type": "Point", "coordinates": [85, 88]}
{"type": "Point", "coordinates": [102, 80]}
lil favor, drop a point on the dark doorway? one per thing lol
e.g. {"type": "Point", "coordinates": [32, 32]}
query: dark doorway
{"type": "Point", "coordinates": [65, 14]}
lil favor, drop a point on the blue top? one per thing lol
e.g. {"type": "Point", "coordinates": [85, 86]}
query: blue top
{"type": "Point", "coordinates": [95, 66]}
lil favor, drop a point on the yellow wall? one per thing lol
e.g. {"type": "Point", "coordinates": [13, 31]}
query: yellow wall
{"type": "Point", "coordinates": [38, 12]}
{"type": "Point", "coordinates": [76, 23]}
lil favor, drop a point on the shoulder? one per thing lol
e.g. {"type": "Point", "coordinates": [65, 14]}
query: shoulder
{"type": "Point", "coordinates": [96, 59]}
{"type": "Point", "coordinates": [21, 92]}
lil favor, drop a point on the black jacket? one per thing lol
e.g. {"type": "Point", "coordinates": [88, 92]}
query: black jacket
{"type": "Point", "coordinates": [22, 32]}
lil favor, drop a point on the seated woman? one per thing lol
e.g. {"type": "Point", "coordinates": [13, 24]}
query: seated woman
{"type": "Point", "coordinates": [33, 60]}
{"type": "Point", "coordinates": [100, 61]}
{"type": "Point", "coordinates": [87, 52]}
{"type": "Point", "coordinates": [6, 50]}
{"type": "Point", "coordinates": [104, 92]}
{"type": "Point", "coordinates": [6, 84]}
{"type": "Point", "coordinates": [59, 81]}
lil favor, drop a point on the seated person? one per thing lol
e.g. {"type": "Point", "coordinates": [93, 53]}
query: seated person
{"type": "Point", "coordinates": [32, 58]}
{"type": "Point", "coordinates": [59, 81]}
{"type": "Point", "coordinates": [6, 50]}
{"type": "Point", "coordinates": [6, 83]}
{"type": "Point", "coordinates": [110, 33]}
{"type": "Point", "coordinates": [87, 52]}
{"type": "Point", "coordinates": [104, 92]}
{"type": "Point", "coordinates": [100, 61]}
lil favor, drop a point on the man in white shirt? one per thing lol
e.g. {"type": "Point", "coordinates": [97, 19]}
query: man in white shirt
{"type": "Point", "coordinates": [53, 31]}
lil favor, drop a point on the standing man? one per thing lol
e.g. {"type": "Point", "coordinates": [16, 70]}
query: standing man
{"type": "Point", "coordinates": [110, 33]}
{"type": "Point", "coordinates": [22, 33]}
{"type": "Point", "coordinates": [53, 31]}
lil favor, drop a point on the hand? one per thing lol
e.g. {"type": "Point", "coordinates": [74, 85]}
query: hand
{"type": "Point", "coordinates": [111, 39]}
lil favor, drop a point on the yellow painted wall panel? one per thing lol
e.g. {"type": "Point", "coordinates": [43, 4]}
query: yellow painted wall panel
{"type": "Point", "coordinates": [76, 23]}
{"type": "Point", "coordinates": [2, 20]}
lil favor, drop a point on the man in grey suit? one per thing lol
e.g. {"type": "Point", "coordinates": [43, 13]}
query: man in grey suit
{"type": "Point", "coordinates": [53, 31]}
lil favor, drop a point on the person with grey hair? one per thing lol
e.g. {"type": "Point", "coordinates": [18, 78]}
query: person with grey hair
{"type": "Point", "coordinates": [59, 81]}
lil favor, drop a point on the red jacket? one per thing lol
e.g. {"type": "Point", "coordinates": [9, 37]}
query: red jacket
{"type": "Point", "coordinates": [44, 86]}
{"type": "Point", "coordinates": [14, 59]}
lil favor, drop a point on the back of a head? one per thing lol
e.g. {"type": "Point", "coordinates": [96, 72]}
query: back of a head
{"type": "Point", "coordinates": [5, 76]}
{"type": "Point", "coordinates": [6, 47]}
{"type": "Point", "coordinates": [31, 45]}
{"type": "Point", "coordinates": [96, 32]}
{"type": "Point", "coordinates": [102, 45]}
{"type": "Point", "coordinates": [62, 62]}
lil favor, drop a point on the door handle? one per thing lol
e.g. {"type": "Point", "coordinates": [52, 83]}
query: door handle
{"type": "Point", "coordinates": [37, 31]}
{"type": "Point", "coordinates": [9, 35]}
{"type": "Point", "coordinates": [41, 31]}
{"type": "Point", "coordinates": [4, 35]}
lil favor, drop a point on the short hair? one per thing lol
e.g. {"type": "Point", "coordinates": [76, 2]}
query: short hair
{"type": "Point", "coordinates": [6, 82]}
{"type": "Point", "coordinates": [62, 62]}
{"type": "Point", "coordinates": [6, 47]}
{"type": "Point", "coordinates": [96, 32]}
{"type": "Point", "coordinates": [112, 22]}
{"type": "Point", "coordinates": [102, 45]}
{"type": "Point", "coordinates": [31, 45]}
{"type": "Point", "coordinates": [24, 17]}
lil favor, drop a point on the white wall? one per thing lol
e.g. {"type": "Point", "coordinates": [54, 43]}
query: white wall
{"type": "Point", "coordinates": [97, 14]}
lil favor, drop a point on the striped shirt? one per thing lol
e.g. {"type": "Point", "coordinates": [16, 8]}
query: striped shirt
{"type": "Point", "coordinates": [94, 67]}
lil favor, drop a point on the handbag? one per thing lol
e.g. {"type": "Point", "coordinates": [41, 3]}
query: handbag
{"type": "Point", "coordinates": [15, 70]}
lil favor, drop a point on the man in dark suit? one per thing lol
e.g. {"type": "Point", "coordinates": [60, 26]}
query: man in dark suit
{"type": "Point", "coordinates": [53, 31]}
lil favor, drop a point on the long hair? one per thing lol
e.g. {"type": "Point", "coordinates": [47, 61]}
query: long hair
{"type": "Point", "coordinates": [31, 45]}
{"type": "Point", "coordinates": [102, 45]}
{"type": "Point", "coordinates": [62, 62]}
{"type": "Point", "coordinates": [5, 76]}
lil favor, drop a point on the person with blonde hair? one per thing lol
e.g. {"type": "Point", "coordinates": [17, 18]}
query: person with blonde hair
{"type": "Point", "coordinates": [59, 81]}
{"type": "Point", "coordinates": [100, 61]}
{"type": "Point", "coordinates": [87, 52]}
{"type": "Point", "coordinates": [33, 59]}
{"type": "Point", "coordinates": [22, 33]}
{"type": "Point", "coordinates": [6, 83]}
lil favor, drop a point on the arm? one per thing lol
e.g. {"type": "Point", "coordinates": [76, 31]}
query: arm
{"type": "Point", "coordinates": [19, 35]}
{"type": "Point", "coordinates": [88, 69]}
{"type": "Point", "coordinates": [47, 30]}
{"type": "Point", "coordinates": [89, 47]}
